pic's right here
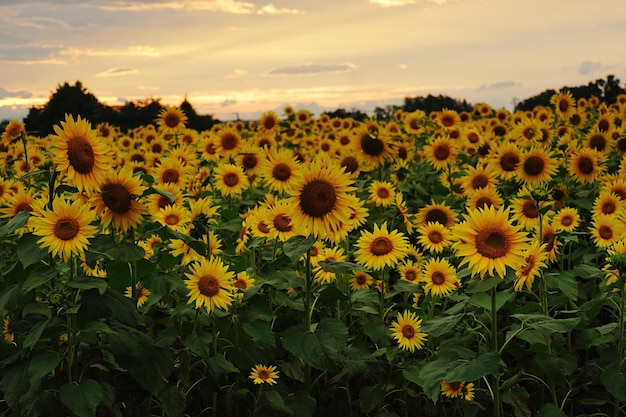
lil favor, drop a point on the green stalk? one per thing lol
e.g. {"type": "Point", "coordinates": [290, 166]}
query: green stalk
{"type": "Point", "coordinates": [307, 312]}
{"type": "Point", "coordinates": [497, 402]}
{"type": "Point", "coordinates": [620, 345]}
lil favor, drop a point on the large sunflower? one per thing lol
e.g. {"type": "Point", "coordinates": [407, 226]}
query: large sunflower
{"type": "Point", "coordinates": [488, 242]}
{"type": "Point", "coordinates": [440, 277]}
{"type": "Point", "coordinates": [65, 229]}
{"type": "Point", "coordinates": [321, 200]}
{"type": "Point", "coordinates": [381, 248]}
{"type": "Point", "coordinates": [586, 165]}
{"type": "Point", "coordinates": [407, 330]}
{"type": "Point", "coordinates": [537, 166]}
{"type": "Point", "coordinates": [210, 284]}
{"type": "Point", "coordinates": [79, 154]}
{"type": "Point", "coordinates": [606, 230]}
{"type": "Point", "coordinates": [116, 201]}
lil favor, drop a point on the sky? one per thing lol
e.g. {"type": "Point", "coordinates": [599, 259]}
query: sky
{"type": "Point", "coordinates": [234, 58]}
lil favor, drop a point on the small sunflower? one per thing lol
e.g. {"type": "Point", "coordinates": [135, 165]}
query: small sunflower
{"type": "Point", "coordinates": [141, 293]}
{"type": "Point", "coordinates": [210, 284]}
{"type": "Point", "coordinates": [371, 144]}
{"type": "Point", "coordinates": [381, 193]}
{"type": "Point", "coordinates": [488, 242]}
{"type": "Point", "coordinates": [79, 154]}
{"type": "Point", "coordinates": [322, 275]}
{"type": "Point", "coordinates": [280, 170]}
{"type": "Point", "coordinates": [263, 374]}
{"type": "Point", "coordinates": [441, 153]}
{"type": "Point", "coordinates": [476, 178]}
{"type": "Point", "coordinates": [505, 159]}
{"type": "Point", "coordinates": [567, 219]}
{"type": "Point", "coordinates": [433, 237]}
{"type": "Point", "coordinates": [228, 142]}
{"type": "Point", "coordinates": [440, 277]}
{"type": "Point", "coordinates": [564, 104]}
{"type": "Point", "coordinates": [12, 132]}
{"type": "Point", "coordinates": [230, 180]}
{"type": "Point", "coordinates": [170, 170]}
{"type": "Point", "coordinates": [360, 280]}
{"type": "Point", "coordinates": [8, 334]}
{"type": "Point", "coordinates": [381, 248]}
{"type": "Point", "coordinates": [279, 222]}
{"type": "Point", "coordinates": [458, 390]}
{"type": "Point", "coordinates": [606, 230]}
{"type": "Point", "coordinates": [407, 330]}
{"type": "Point", "coordinates": [534, 258]}
{"type": "Point", "coordinates": [437, 212]}
{"type": "Point", "coordinates": [268, 121]}
{"type": "Point", "coordinates": [176, 217]}
{"type": "Point", "coordinates": [65, 229]}
{"type": "Point", "coordinates": [484, 197]}
{"type": "Point", "coordinates": [608, 203]}
{"type": "Point", "coordinates": [171, 120]}
{"type": "Point", "coordinates": [410, 271]}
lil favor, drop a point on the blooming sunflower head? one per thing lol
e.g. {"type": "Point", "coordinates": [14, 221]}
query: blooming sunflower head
{"type": "Point", "coordinates": [407, 330]}
{"type": "Point", "coordinates": [381, 247]}
{"type": "Point", "coordinates": [263, 374]}
{"type": "Point", "coordinates": [210, 284]}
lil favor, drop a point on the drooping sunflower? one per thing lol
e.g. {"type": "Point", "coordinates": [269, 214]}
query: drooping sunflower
{"type": "Point", "coordinates": [586, 165]}
{"type": "Point", "coordinates": [488, 242]}
{"type": "Point", "coordinates": [263, 374]}
{"type": "Point", "coordinates": [320, 201]}
{"type": "Point", "coordinates": [141, 294]}
{"type": "Point", "coordinates": [441, 153]}
{"type": "Point", "coordinates": [171, 120]}
{"type": "Point", "coordinates": [230, 180]}
{"type": "Point", "coordinates": [535, 257]}
{"type": "Point", "coordinates": [440, 277]}
{"type": "Point", "coordinates": [606, 230]}
{"type": "Point", "coordinates": [65, 229]}
{"type": "Point", "coordinates": [537, 166]}
{"type": "Point", "coordinates": [434, 237]}
{"type": "Point", "coordinates": [381, 193]}
{"type": "Point", "coordinates": [407, 330]}
{"type": "Point", "coordinates": [78, 153]}
{"type": "Point", "coordinates": [360, 280]}
{"type": "Point", "coordinates": [210, 284]}
{"type": "Point", "coordinates": [117, 203]}
{"type": "Point", "coordinates": [280, 170]}
{"type": "Point", "coordinates": [381, 248]}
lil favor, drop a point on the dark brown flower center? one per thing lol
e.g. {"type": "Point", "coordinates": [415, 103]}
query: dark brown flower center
{"type": "Point", "coordinates": [229, 141]}
{"type": "Point", "coordinates": [479, 181]}
{"type": "Point", "coordinates": [492, 243]}
{"type": "Point", "coordinates": [318, 198]}
{"type": "Point", "coordinates": [361, 279]}
{"type": "Point", "coordinates": [231, 179]}
{"type": "Point", "coordinates": [534, 166]}
{"type": "Point", "coordinates": [597, 142]}
{"type": "Point", "coordinates": [80, 155]}
{"type": "Point", "coordinates": [408, 331]}
{"type": "Point", "coordinates": [530, 264]}
{"type": "Point", "coordinates": [435, 236]}
{"type": "Point", "coordinates": [442, 152]}
{"type": "Point", "coordinates": [605, 232]}
{"type": "Point", "coordinates": [608, 207]}
{"type": "Point", "coordinates": [564, 105]}
{"type": "Point", "coordinates": [116, 197]}
{"type": "Point", "coordinates": [249, 161]}
{"type": "Point", "coordinates": [529, 208]}
{"type": "Point", "coordinates": [410, 275]}
{"type": "Point", "coordinates": [282, 223]}
{"type": "Point", "coordinates": [172, 120]}
{"type": "Point", "coordinates": [372, 146]}
{"type": "Point", "coordinates": [381, 246]}
{"type": "Point", "coordinates": [509, 161]}
{"type": "Point", "coordinates": [438, 278]}
{"type": "Point", "coordinates": [567, 220]}
{"type": "Point", "coordinates": [164, 201]}
{"type": "Point", "coordinates": [242, 284]}
{"type": "Point", "coordinates": [382, 192]}
{"type": "Point", "coordinates": [281, 172]}
{"type": "Point", "coordinates": [208, 286]}
{"type": "Point", "coordinates": [483, 202]}
{"type": "Point", "coordinates": [263, 227]}
{"type": "Point", "coordinates": [170, 175]}
{"type": "Point", "coordinates": [437, 215]}
{"type": "Point", "coordinates": [23, 206]}
{"type": "Point", "coordinates": [585, 165]}
{"type": "Point", "coordinates": [350, 163]}
{"type": "Point", "coordinates": [66, 228]}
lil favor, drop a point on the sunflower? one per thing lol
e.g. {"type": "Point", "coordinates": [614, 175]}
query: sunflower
{"type": "Point", "coordinates": [12, 132]}
{"type": "Point", "coordinates": [434, 237]}
{"type": "Point", "coordinates": [447, 118]}
{"type": "Point", "coordinates": [586, 165]}
{"type": "Point", "coordinates": [280, 170]}
{"type": "Point", "coordinates": [149, 244]}
{"type": "Point", "coordinates": [488, 242]}
{"type": "Point", "coordinates": [243, 281]}
{"type": "Point", "coordinates": [537, 166]}
{"type": "Point", "coordinates": [505, 158]}
{"type": "Point", "coordinates": [65, 229]}
{"type": "Point", "coordinates": [564, 104]}
{"type": "Point", "coordinates": [410, 271]}
{"type": "Point", "coordinates": [381, 248]}
{"type": "Point", "coordinates": [210, 284]}
{"type": "Point", "coordinates": [535, 258]}
{"type": "Point", "coordinates": [263, 374]}
{"type": "Point", "coordinates": [268, 121]}
{"type": "Point", "coordinates": [320, 201]}
{"type": "Point", "coordinates": [437, 212]}
{"type": "Point", "coordinates": [171, 120]}
{"type": "Point", "coordinates": [381, 193]}
{"type": "Point", "coordinates": [441, 153]}
{"type": "Point", "coordinates": [598, 140]}
{"type": "Point", "coordinates": [228, 143]}
{"type": "Point", "coordinates": [116, 201]}
{"type": "Point", "coordinates": [614, 261]}
{"type": "Point", "coordinates": [606, 230]}
{"type": "Point", "coordinates": [141, 293]}
{"type": "Point", "coordinates": [230, 180]}
{"type": "Point", "coordinates": [279, 222]}
{"type": "Point", "coordinates": [172, 170]}
{"type": "Point", "coordinates": [22, 199]}
{"type": "Point", "coordinates": [458, 390]}
{"type": "Point", "coordinates": [525, 210]}
{"type": "Point", "coordinates": [250, 159]}
{"type": "Point", "coordinates": [567, 219]}
{"type": "Point", "coordinates": [608, 203]}
{"type": "Point", "coordinates": [371, 143]}
{"type": "Point", "coordinates": [169, 195]}
{"type": "Point", "coordinates": [360, 280]}
{"type": "Point", "coordinates": [476, 178]}
{"type": "Point", "coordinates": [7, 332]}
{"type": "Point", "coordinates": [322, 275]}
{"type": "Point", "coordinates": [407, 331]}
{"type": "Point", "coordinates": [79, 154]}
{"type": "Point", "coordinates": [440, 277]}
{"type": "Point", "coordinates": [176, 217]}
{"type": "Point", "coordinates": [94, 268]}
{"type": "Point", "coordinates": [484, 197]}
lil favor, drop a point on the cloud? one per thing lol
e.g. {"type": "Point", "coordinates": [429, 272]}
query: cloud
{"type": "Point", "coordinates": [138, 50]}
{"type": "Point", "coordinates": [238, 73]}
{"type": "Point", "coordinates": [14, 94]}
{"type": "Point", "coordinates": [228, 102]}
{"type": "Point", "coordinates": [271, 9]}
{"type": "Point", "coordinates": [115, 71]}
{"type": "Point", "coordinates": [312, 69]}
{"type": "Point", "coordinates": [499, 85]}
{"type": "Point", "coordinates": [392, 3]}
{"type": "Point", "coordinates": [226, 6]}
{"type": "Point", "coordinates": [588, 67]}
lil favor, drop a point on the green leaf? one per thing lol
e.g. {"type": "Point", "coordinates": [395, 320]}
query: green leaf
{"type": "Point", "coordinates": [28, 251]}
{"type": "Point", "coordinates": [319, 347]}
{"type": "Point", "coordinates": [441, 325]}
{"type": "Point", "coordinates": [297, 246]}
{"type": "Point", "coordinates": [483, 299]}
{"type": "Point", "coordinates": [15, 223]}
{"type": "Point", "coordinates": [82, 398]}
{"type": "Point", "coordinates": [37, 277]}
{"type": "Point", "coordinates": [430, 377]}
{"type": "Point", "coordinates": [260, 332]}
{"type": "Point", "coordinates": [118, 275]}
{"type": "Point", "coordinates": [341, 267]}
{"type": "Point", "coordinates": [565, 282]}
{"type": "Point", "coordinates": [370, 397]}
{"type": "Point", "coordinates": [560, 366]}
{"type": "Point", "coordinates": [221, 366]}
{"type": "Point", "coordinates": [35, 333]}
{"type": "Point", "coordinates": [40, 365]}
{"type": "Point", "coordinates": [302, 404]}
{"type": "Point", "coordinates": [550, 410]}
{"type": "Point", "coordinates": [482, 285]}
{"type": "Point", "coordinates": [88, 283]}
{"type": "Point", "coordinates": [485, 364]}
{"type": "Point", "coordinates": [614, 382]}
{"type": "Point", "coordinates": [200, 344]}
{"type": "Point", "coordinates": [596, 336]}
{"type": "Point", "coordinates": [126, 252]}
{"type": "Point", "coordinates": [276, 402]}
{"type": "Point", "coordinates": [547, 325]}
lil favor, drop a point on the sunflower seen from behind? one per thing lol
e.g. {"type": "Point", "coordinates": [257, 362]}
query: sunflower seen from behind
{"type": "Point", "coordinates": [210, 284]}
{"type": "Point", "coordinates": [78, 154]}
{"type": "Point", "coordinates": [65, 229]}
{"type": "Point", "coordinates": [488, 242]}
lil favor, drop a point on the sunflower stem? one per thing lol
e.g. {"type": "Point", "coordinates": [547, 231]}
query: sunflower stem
{"type": "Point", "coordinates": [620, 345]}
{"type": "Point", "coordinates": [26, 167]}
{"type": "Point", "coordinates": [497, 406]}
{"type": "Point", "coordinates": [307, 312]}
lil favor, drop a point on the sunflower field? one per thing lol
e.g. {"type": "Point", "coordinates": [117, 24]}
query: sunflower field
{"type": "Point", "coordinates": [442, 264]}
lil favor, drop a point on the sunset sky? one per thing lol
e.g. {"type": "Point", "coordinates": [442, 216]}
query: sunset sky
{"type": "Point", "coordinates": [241, 58]}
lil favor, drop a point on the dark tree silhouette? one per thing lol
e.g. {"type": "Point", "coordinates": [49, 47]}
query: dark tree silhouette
{"type": "Point", "coordinates": [435, 103]}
